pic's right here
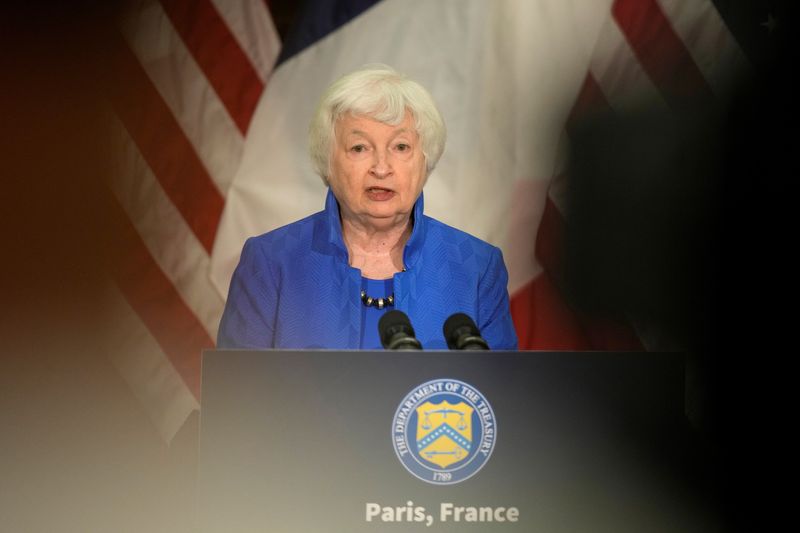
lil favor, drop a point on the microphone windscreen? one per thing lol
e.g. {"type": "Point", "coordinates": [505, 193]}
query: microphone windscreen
{"type": "Point", "coordinates": [461, 333]}
{"type": "Point", "coordinates": [458, 324]}
{"type": "Point", "coordinates": [392, 322]}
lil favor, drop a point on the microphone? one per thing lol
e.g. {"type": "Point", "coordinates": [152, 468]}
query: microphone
{"type": "Point", "coordinates": [461, 333]}
{"type": "Point", "coordinates": [396, 332]}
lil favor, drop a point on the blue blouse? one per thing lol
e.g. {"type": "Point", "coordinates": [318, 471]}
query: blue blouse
{"type": "Point", "coordinates": [293, 287]}
{"type": "Point", "coordinates": [370, 316]}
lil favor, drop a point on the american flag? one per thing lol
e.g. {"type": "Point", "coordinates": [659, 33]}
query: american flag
{"type": "Point", "coordinates": [191, 75]}
{"type": "Point", "coordinates": [211, 110]}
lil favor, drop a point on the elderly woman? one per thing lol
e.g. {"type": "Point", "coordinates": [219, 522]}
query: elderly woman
{"type": "Point", "coordinates": [325, 281]}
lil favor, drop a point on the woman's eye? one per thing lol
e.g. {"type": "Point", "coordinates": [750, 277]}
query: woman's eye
{"type": "Point", "coordinates": [358, 148]}
{"type": "Point", "coordinates": [403, 147]}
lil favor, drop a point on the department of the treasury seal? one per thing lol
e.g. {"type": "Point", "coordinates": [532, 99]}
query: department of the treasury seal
{"type": "Point", "coordinates": [444, 431]}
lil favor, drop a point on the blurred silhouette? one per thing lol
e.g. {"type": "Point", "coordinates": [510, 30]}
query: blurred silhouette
{"type": "Point", "coordinates": [679, 223]}
{"type": "Point", "coordinates": [78, 451]}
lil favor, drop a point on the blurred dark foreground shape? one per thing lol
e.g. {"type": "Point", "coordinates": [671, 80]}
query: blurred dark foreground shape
{"type": "Point", "coordinates": [680, 224]}
{"type": "Point", "coordinates": [77, 451]}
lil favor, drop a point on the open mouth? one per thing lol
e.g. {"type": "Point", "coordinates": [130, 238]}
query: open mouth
{"type": "Point", "coordinates": [379, 193]}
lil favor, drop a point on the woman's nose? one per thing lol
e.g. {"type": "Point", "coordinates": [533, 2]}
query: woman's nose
{"type": "Point", "coordinates": [380, 164]}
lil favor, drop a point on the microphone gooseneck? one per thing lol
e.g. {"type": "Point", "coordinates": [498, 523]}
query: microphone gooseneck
{"type": "Point", "coordinates": [461, 333]}
{"type": "Point", "coordinates": [396, 332]}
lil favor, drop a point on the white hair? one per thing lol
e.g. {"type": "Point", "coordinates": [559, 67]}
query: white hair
{"type": "Point", "coordinates": [383, 94]}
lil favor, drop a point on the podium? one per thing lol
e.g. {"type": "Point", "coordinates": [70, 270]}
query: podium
{"type": "Point", "coordinates": [350, 441]}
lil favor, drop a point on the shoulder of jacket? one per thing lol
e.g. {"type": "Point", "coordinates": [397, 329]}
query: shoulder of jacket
{"type": "Point", "coordinates": [280, 244]}
{"type": "Point", "coordinates": [455, 236]}
{"type": "Point", "coordinates": [292, 232]}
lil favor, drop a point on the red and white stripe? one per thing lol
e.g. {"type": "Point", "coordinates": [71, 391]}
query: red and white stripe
{"type": "Point", "coordinates": [191, 73]}
{"type": "Point", "coordinates": [188, 94]}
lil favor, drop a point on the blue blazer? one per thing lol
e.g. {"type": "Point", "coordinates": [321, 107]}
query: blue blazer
{"type": "Point", "coordinates": [293, 287]}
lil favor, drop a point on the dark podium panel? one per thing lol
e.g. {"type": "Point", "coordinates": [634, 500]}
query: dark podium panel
{"type": "Point", "coordinates": [304, 441]}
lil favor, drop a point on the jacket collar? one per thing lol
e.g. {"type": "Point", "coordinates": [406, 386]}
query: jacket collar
{"type": "Point", "coordinates": [328, 235]}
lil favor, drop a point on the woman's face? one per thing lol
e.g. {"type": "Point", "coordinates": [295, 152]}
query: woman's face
{"type": "Point", "coordinates": [377, 170]}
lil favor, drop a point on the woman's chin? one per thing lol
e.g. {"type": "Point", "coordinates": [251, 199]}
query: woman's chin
{"type": "Point", "coordinates": [385, 218]}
